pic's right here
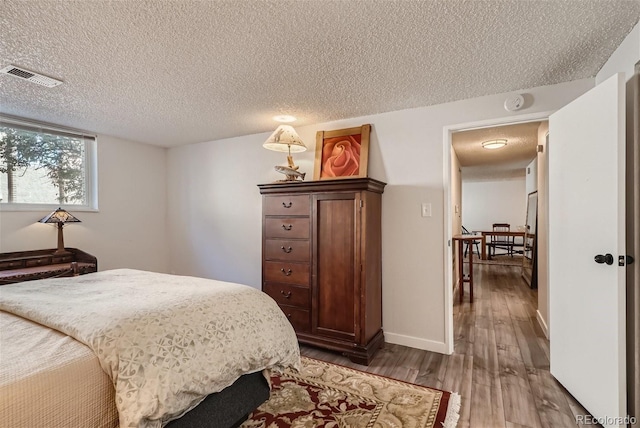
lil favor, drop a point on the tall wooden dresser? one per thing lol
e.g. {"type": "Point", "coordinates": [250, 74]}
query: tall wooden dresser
{"type": "Point", "coordinates": [321, 252]}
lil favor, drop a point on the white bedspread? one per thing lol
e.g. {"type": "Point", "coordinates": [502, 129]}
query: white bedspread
{"type": "Point", "coordinates": [166, 341]}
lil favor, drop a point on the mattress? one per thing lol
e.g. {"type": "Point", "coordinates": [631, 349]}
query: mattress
{"type": "Point", "coordinates": [48, 379]}
{"type": "Point", "coordinates": [167, 343]}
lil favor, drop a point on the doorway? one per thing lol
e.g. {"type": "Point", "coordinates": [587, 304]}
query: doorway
{"type": "Point", "coordinates": [498, 175]}
{"type": "Point", "coordinates": [453, 194]}
{"type": "Point", "coordinates": [584, 129]}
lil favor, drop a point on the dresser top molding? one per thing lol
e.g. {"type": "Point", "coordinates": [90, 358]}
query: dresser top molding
{"type": "Point", "coordinates": [347, 184]}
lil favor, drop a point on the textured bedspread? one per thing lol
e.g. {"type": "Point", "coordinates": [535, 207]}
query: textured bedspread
{"type": "Point", "coordinates": [50, 380]}
{"type": "Point", "coordinates": [166, 341]}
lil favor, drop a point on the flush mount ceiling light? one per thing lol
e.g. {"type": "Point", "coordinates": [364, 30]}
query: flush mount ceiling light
{"type": "Point", "coordinates": [494, 144]}
{"type": "Point", "coordinates": [284, 118]}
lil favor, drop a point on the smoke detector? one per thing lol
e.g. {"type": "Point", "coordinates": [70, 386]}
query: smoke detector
{"type": "Point", "coordinates": [514, 103]}
{"type": "Point", "coordinates": [31, 76]}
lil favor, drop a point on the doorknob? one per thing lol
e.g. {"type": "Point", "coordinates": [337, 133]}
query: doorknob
{"type": "Point", "coordinates": [607, 258]}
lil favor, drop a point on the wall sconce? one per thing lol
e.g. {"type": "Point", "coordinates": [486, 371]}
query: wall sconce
{"type": "Point", "coordinates": [59, 217]}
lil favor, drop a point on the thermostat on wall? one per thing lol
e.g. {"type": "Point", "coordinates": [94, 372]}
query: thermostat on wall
{"type": "Point", "coordinates": [514, 103]}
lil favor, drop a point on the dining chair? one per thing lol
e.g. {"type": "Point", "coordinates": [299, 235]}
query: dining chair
{"type": "Point", "coordinates": [501, 242]}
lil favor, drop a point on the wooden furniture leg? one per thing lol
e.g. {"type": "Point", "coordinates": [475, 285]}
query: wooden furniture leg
{"type": "Point", "coordinates": [471, 279]}
{"type": "Point", "coordinates": [461, 269]}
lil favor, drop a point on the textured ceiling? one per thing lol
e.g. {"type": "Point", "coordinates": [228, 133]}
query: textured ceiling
{"type": "Point", "coordinates": [177, 72]}
{"type": "Point", "coordinates": [507, 162]}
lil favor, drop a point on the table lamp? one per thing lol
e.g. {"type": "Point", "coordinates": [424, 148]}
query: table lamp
{"type": "Point", "coordinates": [59, 217]}
{"type": "Point", "coordinates": [285, 139]}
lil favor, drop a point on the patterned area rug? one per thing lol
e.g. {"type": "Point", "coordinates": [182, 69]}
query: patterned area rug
{"type": "Point", "coordinates": [332, 396]}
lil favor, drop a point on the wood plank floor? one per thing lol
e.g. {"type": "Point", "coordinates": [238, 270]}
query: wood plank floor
{"type": "Point", "coordinates": [500, 365]}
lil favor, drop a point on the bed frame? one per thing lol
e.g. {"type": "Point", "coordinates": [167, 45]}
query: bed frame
{"type": "Point", "coordinates": [228, 408]}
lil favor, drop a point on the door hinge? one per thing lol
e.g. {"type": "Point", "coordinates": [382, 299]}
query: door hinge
{"type": "Point", "coordinates": [361, 203]}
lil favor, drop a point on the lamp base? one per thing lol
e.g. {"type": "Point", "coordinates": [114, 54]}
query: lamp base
{"type": "Point", "coordinates": [291, 174]}
{"type": "Point", "coordinates": [61, 252]}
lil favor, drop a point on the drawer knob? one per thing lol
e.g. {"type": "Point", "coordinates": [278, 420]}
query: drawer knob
{"type": "Point", "coordinates": [286, 295]}
{"type": "Point", "coordinates": [286, 250]}
{"type": "Point", "coordinates": [286, 272]}
{"type": "Point", "coordinates": [287, 205]}
{"type": "Point", "coordinates": [285, 227]}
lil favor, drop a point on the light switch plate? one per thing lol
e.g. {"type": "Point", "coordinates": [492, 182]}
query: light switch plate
{"type": "Point", "coordinates": [426, 209]}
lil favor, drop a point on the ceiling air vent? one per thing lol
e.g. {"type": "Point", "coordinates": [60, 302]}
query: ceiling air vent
{"type": "Point", "coordinates": [30, 76]}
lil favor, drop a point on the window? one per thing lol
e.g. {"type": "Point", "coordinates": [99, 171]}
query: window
{"type": "Point", "coordinates": [41, 165]}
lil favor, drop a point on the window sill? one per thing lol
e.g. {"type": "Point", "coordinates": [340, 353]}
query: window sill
{"type": "Point", "coordinates": [45, 207]}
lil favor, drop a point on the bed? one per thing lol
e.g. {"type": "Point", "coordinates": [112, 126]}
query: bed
{"type": "Point", "coordinates": [141, 349]}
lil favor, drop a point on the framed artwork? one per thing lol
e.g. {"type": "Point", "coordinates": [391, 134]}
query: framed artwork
{"type": "Point", "coordinates": [343, 153]}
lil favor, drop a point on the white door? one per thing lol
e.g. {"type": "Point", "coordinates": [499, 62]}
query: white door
{"type": "Point", "coordinates": [586, 218]}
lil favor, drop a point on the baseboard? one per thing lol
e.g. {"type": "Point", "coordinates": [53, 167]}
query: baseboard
{"type": "Point", "coordinates": [543, 325]}
{"type": "Point", "coordinates": [415, 342]}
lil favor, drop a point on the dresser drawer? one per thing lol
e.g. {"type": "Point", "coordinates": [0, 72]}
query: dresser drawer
{"type": "Point", "coordinates": [280, 249]}
{"type": "Point", "coordinates": [61, 259]}
{"type": "Point", "coordinates": [289, 273]}
{"type": "Point", "coordinates": [286, 205]}
{"type": "Point", "coordinates": [288, 294]}
{"type": "Point", "coordinates": [11, 264]}
{"type": "Point", "coordinates": [299, 318]}
{"type": "Point", "coordinates": [41, 261]}
{"type": "Point", "coordinates": [287, 227]}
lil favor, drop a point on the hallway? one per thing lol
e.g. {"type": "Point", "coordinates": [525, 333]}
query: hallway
{"type": "Point", "coordinates": [500, 365]}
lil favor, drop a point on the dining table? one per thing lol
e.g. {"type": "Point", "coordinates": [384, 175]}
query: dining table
{"type": "Point", "coordinates": [469, 239]}
{"type": "Point", "coordinates": [489, 233]}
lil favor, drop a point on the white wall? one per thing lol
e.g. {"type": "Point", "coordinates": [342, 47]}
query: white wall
{"type": "Point", "coordinates": [215, 208]}
{"type": "Point", "coordinates": [497, 201]}
{"type": "Point", "coordinates": [130, 228]}
{"type": "Point", "coordinates": [624, 57]}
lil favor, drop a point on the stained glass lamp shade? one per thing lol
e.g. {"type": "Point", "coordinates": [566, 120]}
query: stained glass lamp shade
{"type": "Point", "coordinates": [60, 217]}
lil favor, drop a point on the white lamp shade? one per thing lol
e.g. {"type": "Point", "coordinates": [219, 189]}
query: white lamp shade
{"type": "Point", "coordinates": [283, 139]}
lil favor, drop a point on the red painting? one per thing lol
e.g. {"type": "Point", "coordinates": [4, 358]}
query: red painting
{"type": "Point", "coordinates": [342, 153]}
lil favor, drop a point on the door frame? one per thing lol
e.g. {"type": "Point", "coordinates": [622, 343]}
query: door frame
{"type": "Point", "coordinates": [448, 264]}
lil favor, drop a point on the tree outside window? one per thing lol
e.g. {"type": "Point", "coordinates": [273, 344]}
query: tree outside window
{"type": "Point", "coordinates": [42, 167]}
